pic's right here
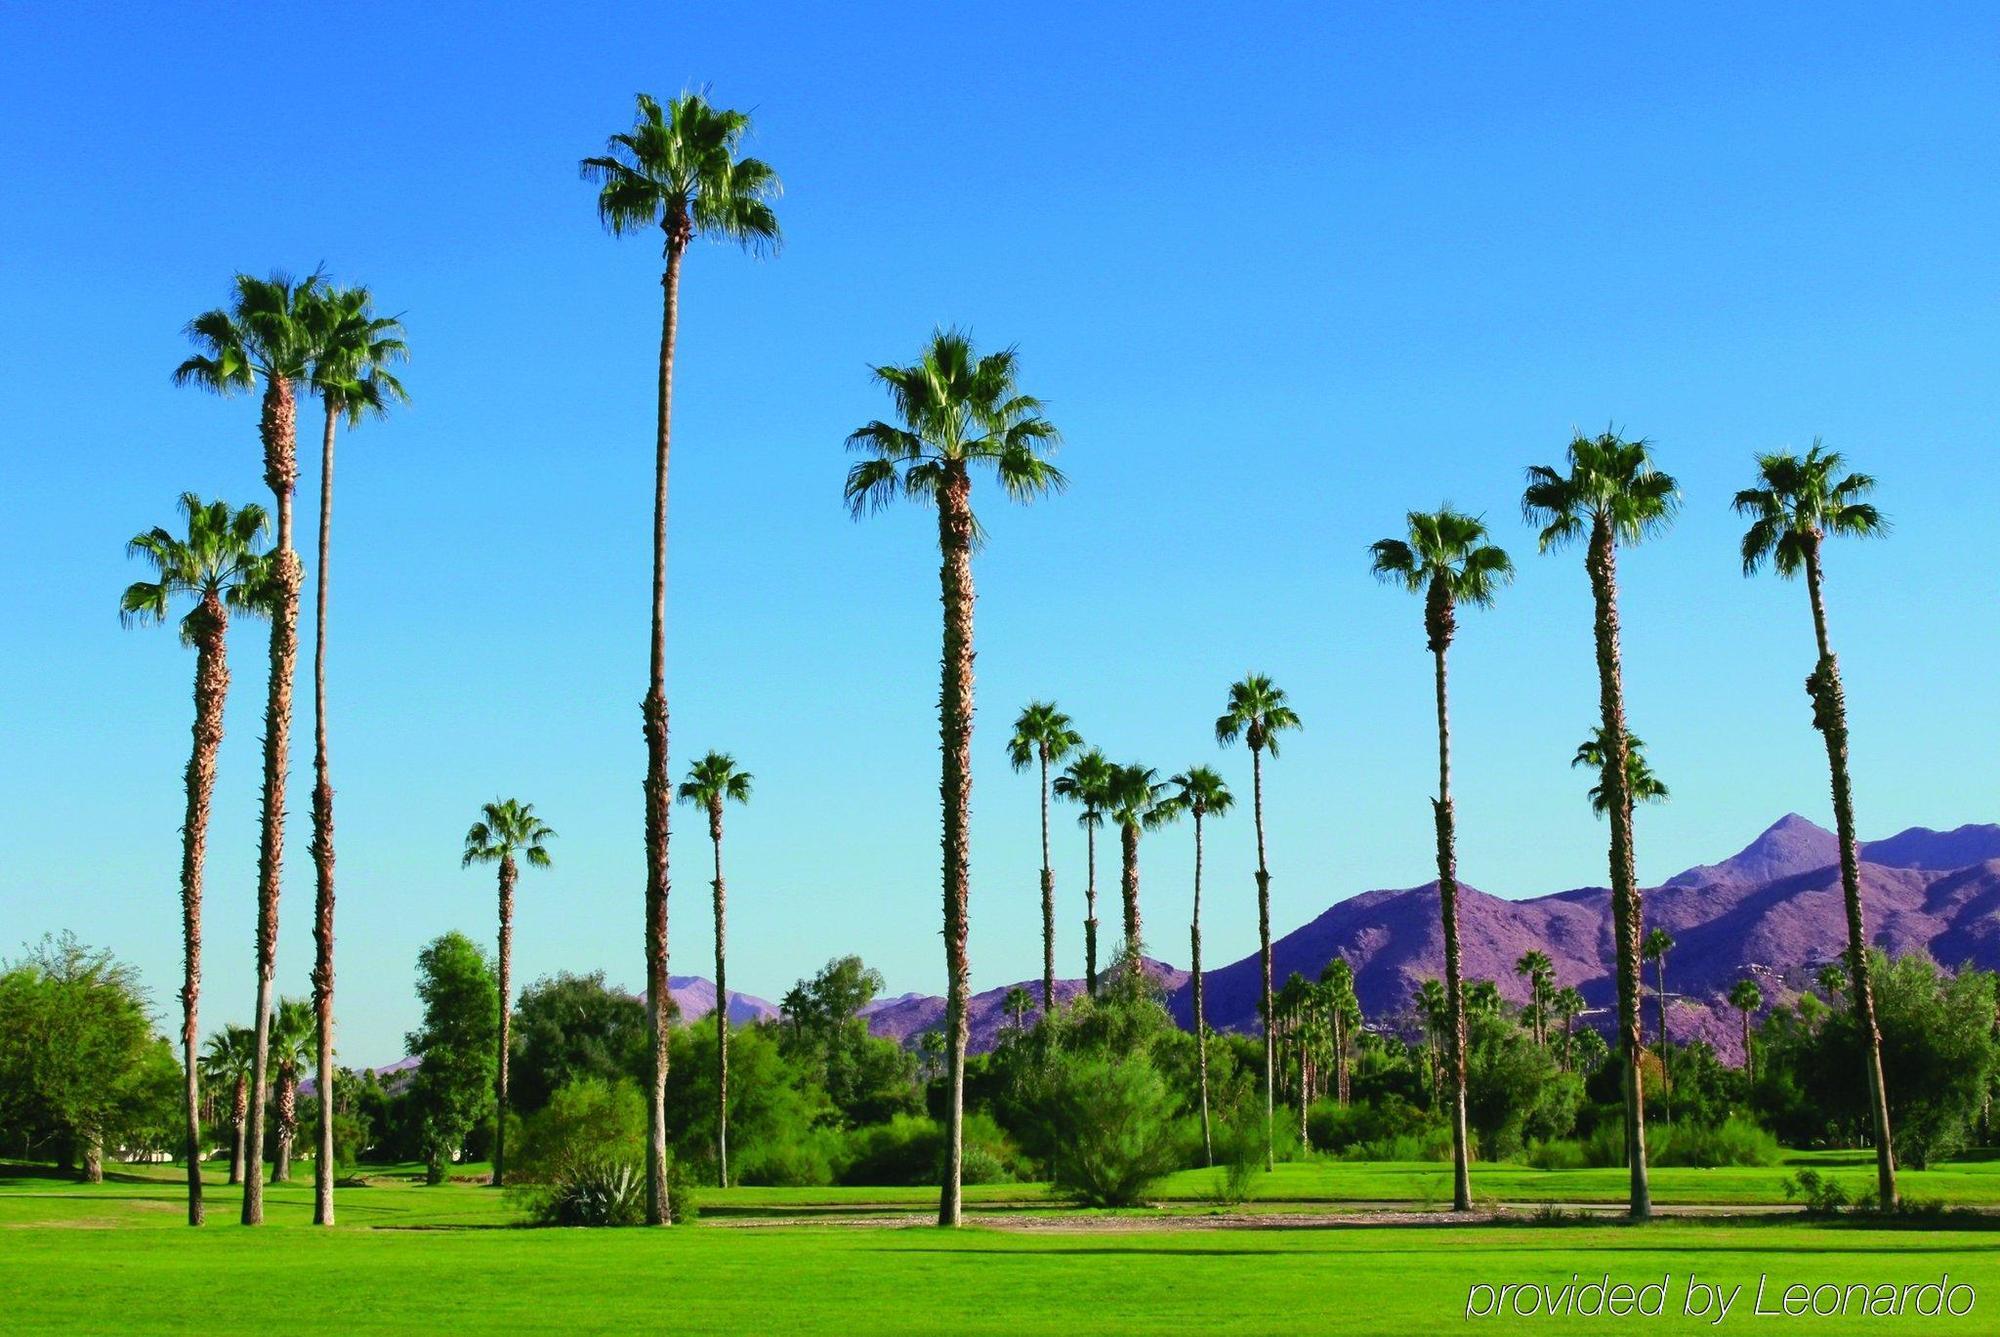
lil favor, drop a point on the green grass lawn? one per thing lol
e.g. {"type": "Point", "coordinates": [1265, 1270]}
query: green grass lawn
{"type": "Point", "coordinates": [115, 1256]}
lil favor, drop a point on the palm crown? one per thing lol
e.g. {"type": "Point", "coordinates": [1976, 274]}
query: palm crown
{"type": "Point", "coordinates": [1640, 783]}
{"type": "Point", "coordinates": [1657, 944]}
{"type": "Point", "coordinates": [1041, 732]}
{"type": "Point", "coordinates": [294, 1036]}
{"type": "Point", "coordinates": [219, 559]}
{"type": "Point", "coordinates": [1610, 481]}
{"type": "Point", "coordinates": [1086, 782]}
{"type": "Point", "coordinates": [1200, 791]}
{"type": "Point", "coordinates": [229, 1053]}
{"type": "Point", "coordinates": [353, 349]}
{"type": "Point", "coordinates": [1801, 501]}
{"type": "Point", "coordinates": [677, 169]}
{"type": "Point", "coordinates": [1445, 556]}
{"type": "Point", "coordinates": [1257, 713]}
{"type": "Point", "coordinates": [267, 331]}
{"type": "Point", "coordinates": [1133, 796]}
{"type": "Point", "coordinates": [507, 830]}
{"type": "Point", "coordinates": [713, 779]}
{"type": "Point", "coordinates": [1746, 996]}
{"type": "Point", "coordinates": [956, 409]}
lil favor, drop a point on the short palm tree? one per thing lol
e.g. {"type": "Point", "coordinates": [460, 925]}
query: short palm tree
{"type": "Point", "coordinates": [1658, 942]}
{"type": "Point", "coordinates": [1641, 785]}
{"type": "Point", "coordinates": [226, 1061]}
{"type": "Point", "coordinates": [1746, 998]}
{"type": "Point", "coordinates": [710, 782]}
{"type": "Point", "coordinates": [1200, 793]}
{"type": "Point", "coordinates": [1042, 734]}
{"type": "Point", "coordinates": [219, 565]}
{"type": "Point", "coordinates": [1257, 713]}
{"type": "Point", "coordinates": [1432, 1009]}
{"type": "Point", "coordinates": [1798, 504]}
{"type": "Point", "coordinates": [1568, 1004]}
{"type": "Point", "coordinates": [353, 351]}
{"type": "Point", "coordinates": [1135, 801]}
{"type": "Point", "coordinates": [1015, 1006]}
{"type": "Point", "coordinates": [957, 411]}
{"type": "Point", "coordinates": [1445, 557]}
{"type": "Point", "coordinates": [266, 336]}
{"type": "Point", "coordinates": [1611, 493]}
{"type": "Point", "coordinates": [1535, 967]}
{"type": "Point", "coordinates": [1084, 782]}
{"type": "Point", "coordinates": [678, 169]}
{"type": "Point", "coordinates": [1344, 1009]}
{"type": "Point", "coordinates": [507, 830]}
{"type": "Point", "coordinates": [293, 1036]}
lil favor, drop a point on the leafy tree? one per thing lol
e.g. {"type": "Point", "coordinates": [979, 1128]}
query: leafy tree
{"type": "Point", "coordinates": [453, 1088]}
{"type": "Point", "coordinates": [678, 169]}
{"type": "Point", "coordinates": [353, 350]}
{"type": "Point", "coordinates": [868, 1079]}
{"type": "Point", "coordinates": [1513, 1090]}
{"type": "Point", "coordinates": [1746, 998]}
{"type": "Point", "coordinates": [711, 781]}
{"type": "Point", "coordinates": [1086, 782]}
{"type": "Point", "coordinates": [957, 411]}
{"type": "Point", "coordinates": [1797, 504]}
{"type": "Point", "coordinates": [507, 828]}
{"type": "Point", "coordinates": [1641, 785]}
{"type": "Point", "coordinates": [219, 565]}
{"type": "Point", "coordinates": [266, 334]}
{"type": "Point", "coordinates": [1042, 735]}
{"type": "Point", "coordinates": [572, 1028]}
{"type": "Point", "coordinates": [1200, 793]}
{"type": "Point", "coordinates": [779, 1115]}
{"type": "Point", "coordinates": [1258, 712]}
{"type": "Point", "coordinates": [1611, 493]}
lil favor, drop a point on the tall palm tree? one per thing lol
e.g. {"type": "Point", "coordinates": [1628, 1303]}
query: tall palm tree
{"type": "Point", "coordinates": [506, 831]}
{"type": "Point", "coordinates": [227, 1061]}
{"type": "Point", "coordinates": [1658, 942]}
{"type": "Point", "coordinates": [1535, 967]}
{"type": "Point", "coordinates": [1746, 998]}
{"type": "Point", "coordinates": [711, 781]}
{"type": "Point", "coordinates": [677, 169]}
{"type": "Point", "coordinates": [1257, 713]}
{"type": "Point", "coordinates": [292, 1035]}
{"type": "Point", "coordinates": [266, 336]}
{"type": "Point", "coordinates": [1084, 782]}
{"type": "Point", "coordinates": [1337, 979]}
{"type": "Point", "coordinates": [1135, 802]}
{"type": "Point", "coordinates": [957, 411]}
{"type": "Point", "coordinates": [219, 565]}
{"type": "Point", "coordinates": [1611, 493]}
{"type": "Point", "coordinates": [1568, 1004]}
{"type": "Point", "coordinates": [1446, 558]}
{"type": "Point", "coordinates": [1798, 504]}
{"type": "Point", "coordinates": [1641, 784]}
{"type": "Point", "coordinates": [1042, 734]}
{"type": "Point", "coordinates": [353, 351]}
{"type": "Point", "coordinates": [1200, 793]}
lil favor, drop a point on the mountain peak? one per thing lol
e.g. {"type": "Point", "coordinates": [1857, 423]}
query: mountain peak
{"type": "Point", "coordinates": [1789, 846]}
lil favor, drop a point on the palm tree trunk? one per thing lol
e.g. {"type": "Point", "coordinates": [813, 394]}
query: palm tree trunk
{"type": "Point", "coordinates": [239, 1113]}
{"type": "Point", "coordinates": [508, 874]}
{"type": "Point", "coordinates": [1090, 912]}
{"type": "Point", "coordinates": [1447, 862]}
{"type": "Point", "coordinates": [1264, 954]}
{"type": "Point", "coordinates": [1602, 563]}
{"type": "Point", "coordinates": [1128, 848]}
{"type": "Point", "coordinates": [93, 1156]}
{"type": "Point", "coordinates": [288, 1127]}
{"type": "Point", "coordinates": [278, 426]}
{"type": "Point", "coordinates": [659, 785]}
{"type": "Point", "coordinates": [1048, 901]}
{"type": "Point", "coordinates": [1749, 1059]}
{"type": "Point", "coordinates": [322, 849]}
{"type": "Point", "coordinates": [721, 1000]}
{"type": "Point", "coordinates": [1660, 992]}
{"type": "Point", "coordinates": [955, 787]}
{"type": "Point", "coordinates": [1200, 1014]}
{"type": "Point", "coordinates": [1830, 718]}
{"type": "Point", "coordinates": [211, 690]}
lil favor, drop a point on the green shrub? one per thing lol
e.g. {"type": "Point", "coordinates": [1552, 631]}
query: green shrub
{"type": "Point", "coordinates": [589, 1120]}
{"type": "Point", "coordinates": [909, 1149]}
{"type": "Point", "coordinates": [1112, 1127]}
{"type": "Point", "coordinates": [593, 1191]}
{"type": "Point", "coordinates": [1431, 1144]}
{"type": "Point", "coordinates": [804, 1160]}
{"type": "Point", "coordinates": [1819, 1193]}
{"type": "Point", "coordinates": [1338, 1128]}
{"type": "Point", "coordinates": [1556, 1154]}
{"type": "Point", "coordinates": [684, 1189]}
{"type": "Point", "coordinates": [1737, 1140]}
{"type": "Point", "coordinates": [1239, 1156]}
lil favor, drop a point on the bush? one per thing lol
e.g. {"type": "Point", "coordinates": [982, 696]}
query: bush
{"type": "Point", "coordinates": [1112, 1127]}
{"type": "Point", "coordinates": [594, 1191]}
{"type": "Point", "coordinates": [909, 1150]}
{"type": "Point", "coordinates": [587, 1121]}
{"type": "Point", "coordinates": [1239, 1155]}
{"type": "Point", "coordinates": [1820, 1195]}
{"type": "Point", "coordinates": [1737, 1140]}
{"type": "Point", "coordinates": [1338, 1128]}
{"type": "Point", "coordinates": [806, 1159]}
{"type": "Point", "coordinates": [1432, 1144]}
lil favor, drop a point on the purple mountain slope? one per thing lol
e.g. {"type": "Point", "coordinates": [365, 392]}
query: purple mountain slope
{"type": "Point", "coordinates": [694, 995]}
{"type": "Point", "coordinates": [905, 1018]}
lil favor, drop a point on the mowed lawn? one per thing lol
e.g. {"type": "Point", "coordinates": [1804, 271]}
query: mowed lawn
{"type": "Point", "coordinates": [115, 1257]}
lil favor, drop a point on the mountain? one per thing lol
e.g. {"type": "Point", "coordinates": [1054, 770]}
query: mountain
{"type": "Point", "coordinates": [905, 1018]}
{"type": "Point", "coordinates": [694, 995]}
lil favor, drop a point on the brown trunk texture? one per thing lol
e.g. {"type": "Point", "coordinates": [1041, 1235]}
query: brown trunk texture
{"type": "Point", "coordinates": [955, 787]}
{"type": "Point", "coordinates": [1264, 949]}
{"type": "Point", "coordinates": [211, 692]}
{"type": "Point", "coordinates": [1447, 865]}
{"type": "Point", "coordinates": [721, 999]}
{"type": "Point", "coordinates": [322, 850]}
{"type": "Point", "coordinates": [1128, 849]}
{"type": "Point", "coordinates": [1048, 901]}
{"type": "Point", "coordinates": [1090, 913]}
{"type": "Point", "coordinates": [508, 873]}
{"type": "Point", "coordinates": [1200, 1013]}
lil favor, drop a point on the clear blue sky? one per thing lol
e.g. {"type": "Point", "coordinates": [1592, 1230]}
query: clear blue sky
{"type": "Point", "coordinates": [1280, 278]}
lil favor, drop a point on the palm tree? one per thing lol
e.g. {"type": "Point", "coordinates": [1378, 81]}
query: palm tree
{"type": "Point", "coordinates": [507, 829]}
{"type": "Point", "coordinates": [1797, 505]}
{"type": "Point", "coordinates": [1568, 1004]}
{"type": "Point", "coordinates": [1258, 713]}
{"type": "Point", "coordinates": [1831, 979]}
{"type": "Point", "coordinates": [711, 781]}
{"type": "Point", "coordinates": [292, 1035]}
{"type": "Point", "coordinates": [676, 169]}
{"type": "Point", "coordinates": [1432, 1010]}
{"type": "Point", "coordinates": [957, 410]}
{"type": "Point", "coordinates": [353, 351]}
{"type": "Point", "coordinates": [1042, 734]}
{"type": "Point", "coordinates": [227, 1060]}
{"type": "Point", "coordinates": [1135, 801]}
{"type": "Point", "coordinates": [1337, 978]}
{"type": "Point", "coordinates": [1746, 998]}
{"type": "Point", "coordinates": [1084, 782]}
{"type": "Point", "coordinates": [1446, 558]}
{"type": "Point", "coordinates": [1016, 1006]}
{"type": "Point", "coordinates": [1540, 972]}
{"type": "Point", "coordinates": [1199, 792]}
{"type": "Point", "coordinates": [1641, 785]}
{"type": "Point", "coordinates": [1611, 494]}
{"type": "Point", "coordinates": [1658, 942]}
{"type": "Point", "coordinates": [266, 335]}
{"type": "Point", "coordinates": [218, 565]}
